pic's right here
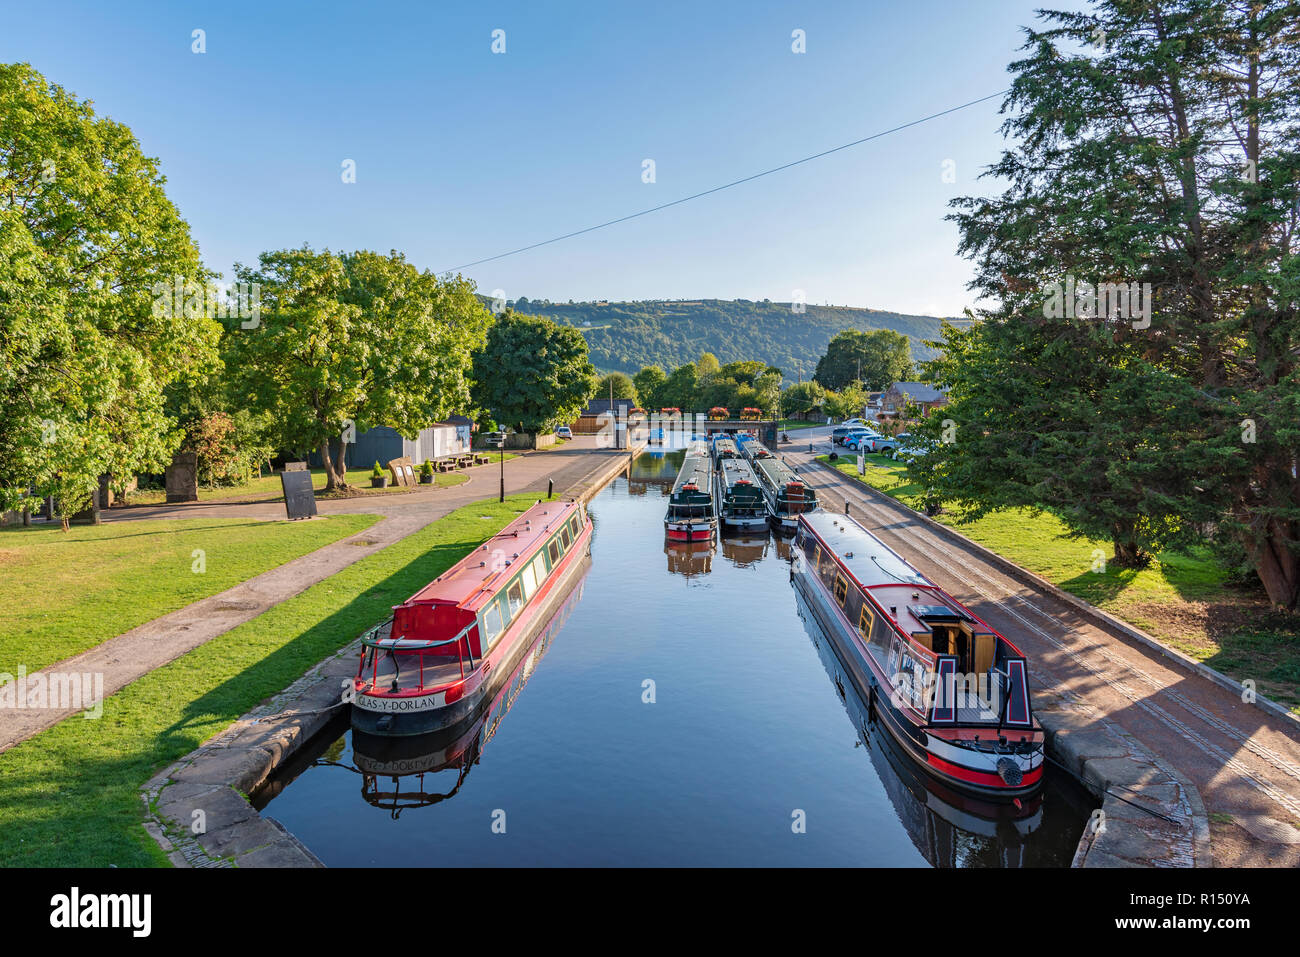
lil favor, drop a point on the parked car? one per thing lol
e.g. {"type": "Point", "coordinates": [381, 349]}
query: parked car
{"type": "Point", "coordinates": [858, 439]}
{"type": "Point", "coordinates": [564, 432]}
{"type": "Point", "coordinates": [840, 433]}
{"type": "Point", "coordinates": [881, 444]}
{"type": "Point", "coordinates": [909, 447]}
{"type": "Point", "coordinates": [850, 423]}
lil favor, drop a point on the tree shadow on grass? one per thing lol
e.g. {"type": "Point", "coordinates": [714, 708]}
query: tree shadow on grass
{"type": "Point", "coordinates": [1096, 587]}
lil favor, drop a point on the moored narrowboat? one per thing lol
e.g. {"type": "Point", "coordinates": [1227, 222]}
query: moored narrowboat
{"type": "Point", "coordinates": [449, 645]}
{"type": "Point", "coordinates": [723, 446]}
{"type": "Point", "coordinates": [787, 495]}
{"type": "Point", "coordinates": [751, 448]}
{"type": "Point", "coordinates": [394, 769]}
{"type": "Point", "coordinates": [741, 504]}
{"type": "Point", "coordinates": [691, 516]}
{"type": "Point", "coordinates": [952, 692]}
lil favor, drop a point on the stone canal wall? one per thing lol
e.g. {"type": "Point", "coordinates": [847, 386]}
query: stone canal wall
{"type": "Point", "coordinates": [198, 809]}
{"type": "Point", "coordinates": [1151, 814]}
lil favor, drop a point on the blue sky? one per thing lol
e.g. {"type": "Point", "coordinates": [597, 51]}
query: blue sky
{"type": "Point", "coordinates": [462, 153]}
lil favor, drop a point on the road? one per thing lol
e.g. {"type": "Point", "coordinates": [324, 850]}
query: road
{"type": "Point", "coordinates": [1244, 761]}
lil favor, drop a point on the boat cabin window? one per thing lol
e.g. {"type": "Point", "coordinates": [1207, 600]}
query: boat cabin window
{"type": "Point", "coordinates": [529, 581]}
{"type": "Point", "coordinates": [841, 589]}
{"type": "Point", "coordinates": [864, 621]}
{"type": "Point", "coordinates": [564, 534]}
{"type": "Point", "coordinates": [576, 526]}
{"type": "Point", "coordinates": [515, 598]}
{"type": "Point", "coordinates": [539, 569]}
{"type": "Point", "coordinates": [826, 567]}
{"type": "Point", "coordinates": [880, 635]}
{"type": "Point", "coordinates": [554, 552]}
{"type": "Point", "coordinates": [492, 623]}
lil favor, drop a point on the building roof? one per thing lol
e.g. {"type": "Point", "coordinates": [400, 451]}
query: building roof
{"type": "Point", "coordinates": [919, 391]}
{"type": "Point", "coordinates": [600, 406]}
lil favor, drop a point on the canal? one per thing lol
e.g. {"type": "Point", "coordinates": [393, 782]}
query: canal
{"type": "Point", "coordinates": [681, 709]}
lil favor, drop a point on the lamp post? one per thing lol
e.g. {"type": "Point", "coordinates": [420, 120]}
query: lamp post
{"type": "Point", "coordinates": [501, 454]}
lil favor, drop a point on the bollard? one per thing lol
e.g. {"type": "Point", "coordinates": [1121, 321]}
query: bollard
{"type": "Point", "coordinates": [846, 506]}
{"type": "Point", "coordinates": [550, 488]}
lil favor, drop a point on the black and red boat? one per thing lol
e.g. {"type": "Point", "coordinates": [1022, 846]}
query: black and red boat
{"type": "Point", "coordinates": [691, 516]}
{"type": "Point", "coordinates": [451, 644]}
{"type": "Point", "coordinates": [952, 692]}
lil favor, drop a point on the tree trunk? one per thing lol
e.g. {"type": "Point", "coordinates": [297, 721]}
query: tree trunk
{"type": "Point", "coordinates": [336, 476]}
{"type": "Point", "coordinates": [1128, 554]}
{"type": "Point", "coordinates": [1277, 565]}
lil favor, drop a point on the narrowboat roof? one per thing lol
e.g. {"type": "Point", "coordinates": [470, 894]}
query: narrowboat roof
{"type": "Point", "coordinates": [738, 470]}
{"type": "Point", "coordinates": [695, 469]}
{"type": "Point", "coordinates": [871, 561]}
{"type": "Point", "coordinates": [776, 471]}
{"type": "Point", "coordinates": [473, 580]}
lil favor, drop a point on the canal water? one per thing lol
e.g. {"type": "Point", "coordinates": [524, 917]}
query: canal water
{"type": "Point", "coordinates": [681, 709]}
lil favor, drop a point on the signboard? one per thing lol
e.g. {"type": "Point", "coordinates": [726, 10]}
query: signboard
{"type": "Point", "coordinates": [403, 472]}
{"type": "Point", "coordinates": [862, 464]}
{"type": "Point", "coordinates": [295, 466]}
{"type": "Point", "coordinates": [299, 496]}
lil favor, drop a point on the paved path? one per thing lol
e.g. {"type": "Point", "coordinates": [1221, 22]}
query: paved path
{"type": "Point", "coordinates": [132, 654]}
{"type": "Point", "coordinates": [1244, 761]}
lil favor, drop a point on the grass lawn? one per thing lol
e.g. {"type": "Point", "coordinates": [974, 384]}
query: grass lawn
{"type": "Point", "coordinates": [787, 425]}
{"type": "Point", "coordinates": [1180, 598]}
{"type": "Point", "coordinates": [69, 591]}
{"type": "Point", "coordinates": [70, 795]}
{"type": "Point", "coordinates": [267, 488]}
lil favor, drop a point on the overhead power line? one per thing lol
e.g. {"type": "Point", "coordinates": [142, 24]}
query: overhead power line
{"type": "Point", "coordinates": [736, 182]}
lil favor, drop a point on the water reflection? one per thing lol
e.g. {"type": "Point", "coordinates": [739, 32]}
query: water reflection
{"type": "Point", "coordinates": [653, 470]}
{"type": "Point", "coordinates": [949, 828]}
{"type": "Point", "coordinates": [745, 549]}
{"type": "Point", "coordinates": [690, 559]}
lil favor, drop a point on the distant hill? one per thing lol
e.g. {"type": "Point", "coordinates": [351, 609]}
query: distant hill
{"type": "Point", "coordinates": [625, 336]}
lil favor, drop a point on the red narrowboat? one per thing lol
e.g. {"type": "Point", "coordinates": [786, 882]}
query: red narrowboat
{"type": "Point", "coordinates": [449, 645]}
{"type": "Point", "coordinates": [951, 691]}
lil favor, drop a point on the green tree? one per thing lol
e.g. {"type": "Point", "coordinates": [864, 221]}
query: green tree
{"type": "Point", "coordinates": [532, 373]}
{"type": "Point", "coordinates": [649, 384]}
{"type": "Point", "coordinates": [624, 388]}
{"type": "Point", "coordinates": [846, 403]}
{"type": "Point", "coordinates": [682, 390]}
{"type": "Point", "coordinates": [86, 354]}
{"type": "Point", "coordinates": [347, 343]}
{"type": "Point", "coordinates": [706, 368]}
{"type": "Point", "coordinates": [746, 371]}
{"type": "Point", "coordinates": [1168, 156]}
{"type": "Point", "coordinates": [874, 358]}
{"type": "Point", "coordinates": [803, 399]}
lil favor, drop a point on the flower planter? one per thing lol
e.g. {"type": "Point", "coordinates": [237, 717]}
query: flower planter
{"type": "Point", "coordinates": [380, 482]}
{"type": "Point", "coordinates": [426, 479]}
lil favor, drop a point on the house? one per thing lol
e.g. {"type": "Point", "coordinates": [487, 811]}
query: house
{"type": "Point", "coordinates": [591, 421]}
{"type": "Point", "coordinates": [920, 394]}
{"type": "Point", "coordinates": [381, 444]}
